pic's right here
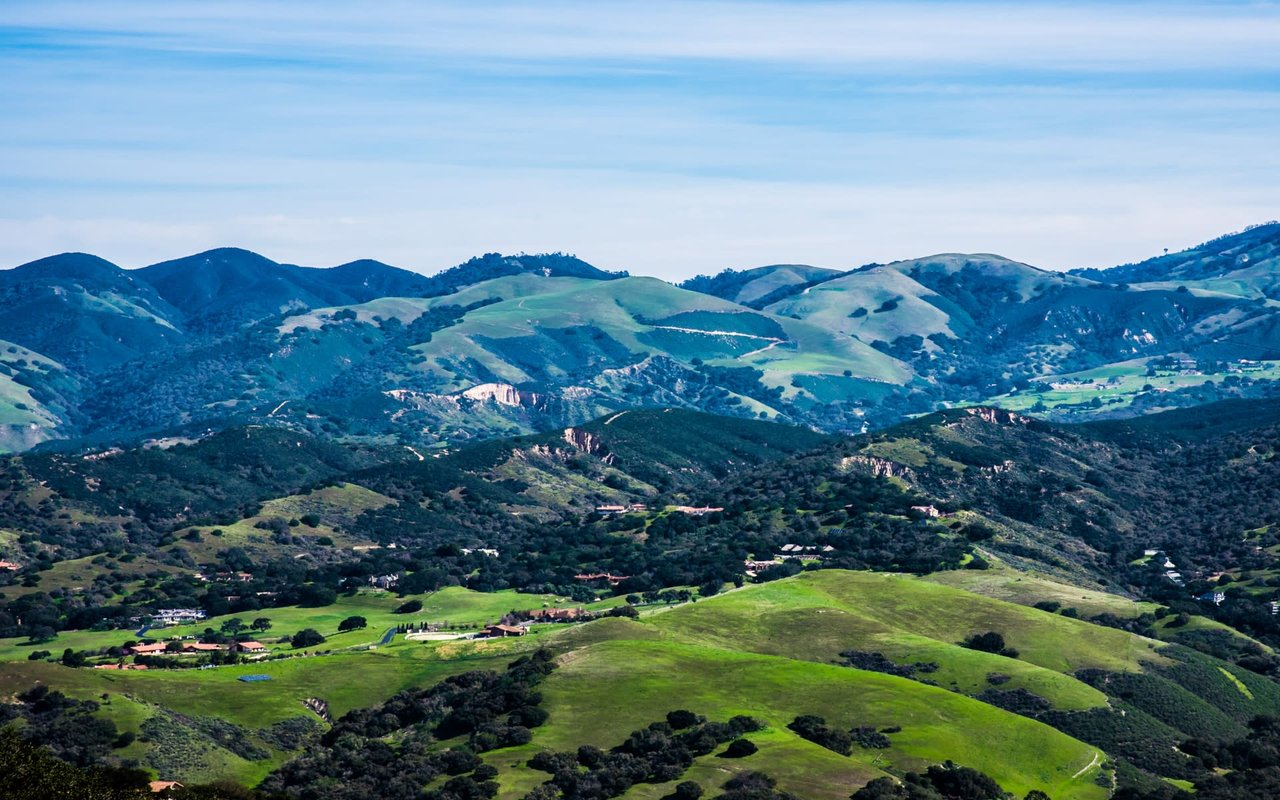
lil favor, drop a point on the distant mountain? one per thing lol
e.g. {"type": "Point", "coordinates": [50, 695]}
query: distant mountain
{"type": "Point", "coordinates": [221, 289]}
{"type": "Point", "coordinates": [517, 344]}
{"type": "Point", "coordinates": [754, 287]}
{"type": "Point", "coordinates": [84, 312]}
{"type": "Point", "coordinates": [1245, 264]}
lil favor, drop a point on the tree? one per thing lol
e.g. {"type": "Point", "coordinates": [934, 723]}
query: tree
{"type": "Point", "coordinates": [232, 626]}
{"type": "Point", "coordinates": [989, 642]}
{"type": "Point", "coordinates": [687, 790]}
{"type": "Point", "coordinates": [261, 624]}
{"type": "Point", "coordinates": [410, 607]}
{"type": "Point", "coordinates": [71, 658]}
{"type": "Point", "coordinates": [353, 623]}
{"type": "Point", "coordinates": [307, 637]}
{"type": "Point", "coordinates": [740, 748]}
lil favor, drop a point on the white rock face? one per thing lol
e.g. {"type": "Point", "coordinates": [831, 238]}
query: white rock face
{"type": "Point", "coordinates": [504, 394]}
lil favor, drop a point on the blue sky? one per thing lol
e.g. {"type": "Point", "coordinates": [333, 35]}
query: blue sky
{"type": "Point", "coordinates": [667, 138]}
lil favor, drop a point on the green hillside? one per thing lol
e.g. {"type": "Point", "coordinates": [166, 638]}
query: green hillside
{"type": "Point", "coordinates": [616, 676]}
{"type": "Point", "coordinates": [773, 651]}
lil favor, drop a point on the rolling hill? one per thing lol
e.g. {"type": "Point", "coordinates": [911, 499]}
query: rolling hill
{"type": "Point", "coordinates": [503, 345]}
{"type": "Point", "coordinates": [1236, 265]}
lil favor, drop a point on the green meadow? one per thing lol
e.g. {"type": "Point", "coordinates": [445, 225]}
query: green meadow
{"type": "Point", "coordinates": [768, 650]}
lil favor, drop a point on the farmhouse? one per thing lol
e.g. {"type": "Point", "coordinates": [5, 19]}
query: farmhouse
{"type": "Point", "coordinates": [145, 649]}
{"type": "Point", "coordinates": [9, 565]}
{"type": "Point", "coordinates": [201, 647]}
{"type": "Point", "coordinates": [929, 511]}
{"type": "Point", "coordinates": [696, 511]}
{"type": "Point", "coordinates": [250, 647]}
{"type": "Point", "coordinates": [555, 614]}
{"type": "Point", "coordinates": [613, 510]}
{"type": "Point", "coordinates": [499, 631]}
{"type": "Point", "coordinates": [591, 577]}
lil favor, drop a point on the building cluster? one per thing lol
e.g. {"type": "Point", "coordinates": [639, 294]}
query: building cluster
{"type": "Point", "coordinates": [177, 616]}
{"type": "Point", "coordinates": [615, 510]}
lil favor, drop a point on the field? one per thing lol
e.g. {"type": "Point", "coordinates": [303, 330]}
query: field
{"type": "Point", "coordinates": [1116, 386]}
{"type": "Point", "coordinates": [766, 650]}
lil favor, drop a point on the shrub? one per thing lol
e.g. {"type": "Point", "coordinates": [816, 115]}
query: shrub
{"type": "Point", "coordinates": [989, 642]}
{"type": "Point", "coordinates": [307, 637]}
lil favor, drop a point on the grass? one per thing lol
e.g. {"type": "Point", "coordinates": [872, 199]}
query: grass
{"type": "Point", "coordinates": [765, 650]}
{"type": "Point", "coordinates": [601, 693]}
{"type": "Point", "coordinates": [454, 605]}
{"type": "Point", "coordinates": [1115, 385]}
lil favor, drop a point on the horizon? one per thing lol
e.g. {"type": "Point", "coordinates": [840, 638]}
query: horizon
{"type": "Point", "coordinates": [669, 140]}
{"type": "Point", "coordinates": [632, 273]}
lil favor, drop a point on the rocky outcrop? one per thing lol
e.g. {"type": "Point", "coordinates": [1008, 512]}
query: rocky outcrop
{"type": "Point", "coordinates": [589, 443]}
{"type": "Point", "coordinates": [997, 416]}
{"type": "Point", "coordinates": [876, 466]}
{"type": "Point", "coordinates": [504, 394]}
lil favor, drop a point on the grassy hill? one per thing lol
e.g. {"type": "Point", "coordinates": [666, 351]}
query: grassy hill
{"type": "Point", "coordinates": [1240, 264]}
{"type": "Point", "coordinates": [754, 287]}
{"type": "Point", "coordinates": [771, 651]}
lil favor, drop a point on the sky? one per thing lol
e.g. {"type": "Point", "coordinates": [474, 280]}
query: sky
{"type": "Point", "coordinates": [664, 138]}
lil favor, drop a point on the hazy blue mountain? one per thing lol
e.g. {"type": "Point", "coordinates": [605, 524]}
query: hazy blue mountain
{"type": "Point", "coordinates": [84, 312]}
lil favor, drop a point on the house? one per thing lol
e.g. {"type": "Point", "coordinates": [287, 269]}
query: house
{"type": "Point", "coordinates": [9, 565]}
{"type": "Point", "coordinates": [1149, 552]}
{"type": "Point", "coordinates": [591, 577]}
{"type": "Point", "coordinates": [1212, 597]}
{"type": "Point", "coordinates": [555, 614]}
{"type": "Point", "coordinates": [145, 649]}
{"type": "Point", "coordinates": [929, 511]}
{"type": "Point", "coordinates": [1168, 564]}
{"type": "Point", "coordinates": [384, 581]}
{"type": "Point", "coordinates": [696, 511]}
{"type": "Point", "coordinates": [176, 616]}
{"type": "Point", "coordinates": [201, 647]}
{"type": "Point", "coordinates": [233, 577]}
{"type": "Point", "coordinates": [484, 551]}
{"type": "Point", "coordinates": [251, 647]}
{"type": "Point", "coordinates": [499, 631]}
{"type": "Point", "coordinates": [614, 510]}
{"type": "Point", "coordinates": [753, 567]}
{"type": "Point", "coordinates": [1275, 607]}
{"type": "Point", "coordinates": [1174, 577]}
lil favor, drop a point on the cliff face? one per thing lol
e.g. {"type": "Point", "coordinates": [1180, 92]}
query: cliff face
{"type": "Point", "coordinates": [876, 466]}
{"type": "Point", "coordinates": [504, 394]}
{"type": "Point", "coordinates": [588, 443]}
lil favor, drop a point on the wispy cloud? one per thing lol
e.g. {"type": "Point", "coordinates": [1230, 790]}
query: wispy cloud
{"type": "Point", "coordinates": [662, 137]}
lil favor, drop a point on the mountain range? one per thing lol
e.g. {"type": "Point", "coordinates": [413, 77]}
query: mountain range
{"type": "Point", "coordinates": [94, 354]}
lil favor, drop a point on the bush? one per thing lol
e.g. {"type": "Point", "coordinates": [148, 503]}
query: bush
{"type": "Point", "coordinates": [681, 719]}
{"type": "Point", "coordinates": [740, 748]}
{"type": "Point", "coordinates": [815, 729]}
{"type": "Point", "coordinates": [687, 790]}
{"type": "Point", "coordinates": [989, 642]}
{"type": "Point", "coordinates": [410, 607]}
{"type": "Point", "coordinates": [307, 637]}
